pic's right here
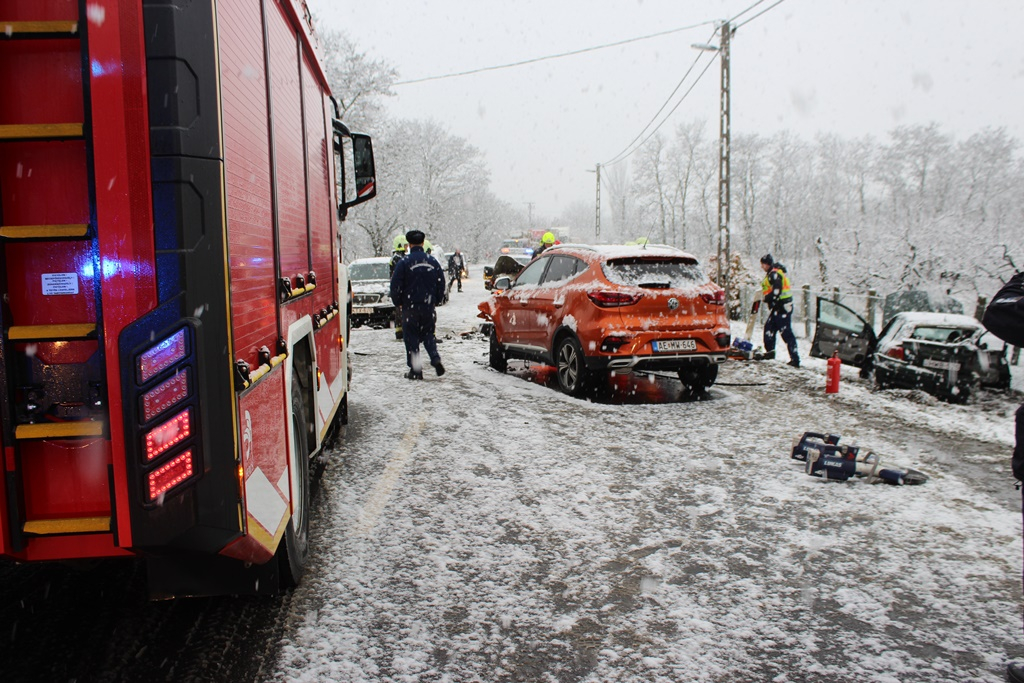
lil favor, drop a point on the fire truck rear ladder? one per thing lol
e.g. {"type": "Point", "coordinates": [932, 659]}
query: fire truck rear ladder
{"type": "Point", "coordinates": [17, 338]}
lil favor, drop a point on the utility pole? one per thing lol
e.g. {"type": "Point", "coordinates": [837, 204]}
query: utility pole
{"type": "Point", "coordinates": [529, 206]}
{"type": "Point", "coordinates": [723, 168]}
{"type": "Point", "coordinates": [597, 210]}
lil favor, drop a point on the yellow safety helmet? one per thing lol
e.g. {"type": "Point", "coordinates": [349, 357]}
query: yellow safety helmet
{"type": "Point", "coordinates": [548, 238]}
{"type": "Point", "coordinates": [400, 243]}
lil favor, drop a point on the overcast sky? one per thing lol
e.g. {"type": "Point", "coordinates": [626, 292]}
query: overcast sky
{"type": "Point", "coordinates": [853, 67]}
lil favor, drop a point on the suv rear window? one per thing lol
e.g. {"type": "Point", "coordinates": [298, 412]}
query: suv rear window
{"type": "Point", "coordinates": [656, 273]}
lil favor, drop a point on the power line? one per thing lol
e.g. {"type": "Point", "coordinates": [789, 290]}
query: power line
{"type": "Point", "coordinates": [622, 155]}
{"type": "Point", "coordinates": [557, 56]}
{"type": "Point", "coordinates": [779, 2]}
{"type": "Point", "coordinates": [626, 152]}
{"type": "Point", "coordinates": [737, 16]}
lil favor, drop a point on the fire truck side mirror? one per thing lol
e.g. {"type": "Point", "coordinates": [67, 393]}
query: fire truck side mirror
{"type": "Point", "coordinates": [366, 174]}
{"type": "Point", "coordinates": [357, 148]}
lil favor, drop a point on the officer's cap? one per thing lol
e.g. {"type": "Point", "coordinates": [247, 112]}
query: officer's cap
{"type": "Point", "coordinates": [415, 237]}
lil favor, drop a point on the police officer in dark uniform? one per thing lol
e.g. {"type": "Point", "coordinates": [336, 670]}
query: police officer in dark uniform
{"type": "Point", "coordinates": [1004, 318]}
{"type": "Point", "coordinates": [778, 297]}
{"type": "Point", "coordinates": [417, 286]}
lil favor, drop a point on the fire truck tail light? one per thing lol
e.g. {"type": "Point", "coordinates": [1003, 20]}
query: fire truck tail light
{"type": "Point", "coordinates": [162, 356]}
{"type": "Point", "coordinates": [168, 435]}
{"type": "Point", "coordinates": [168, 476]}
{"type": "Point", "coordinates": [164, 395]}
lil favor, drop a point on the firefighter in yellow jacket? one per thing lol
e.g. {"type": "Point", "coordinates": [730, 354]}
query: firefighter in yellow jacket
{"type": "Point", "coordinates": [778, 297]}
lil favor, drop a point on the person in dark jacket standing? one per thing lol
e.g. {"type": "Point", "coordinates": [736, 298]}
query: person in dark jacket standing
{"type": "Point", "coordinates": [778, 297]}
{"type": "Point", "coordinates": [418, 285]}
{"type": "Point", "coordinates": [456, 264]}
{"type": "Point", "coordinates": [1004, 318]}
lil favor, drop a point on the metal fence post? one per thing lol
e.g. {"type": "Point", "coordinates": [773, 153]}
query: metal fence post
{"type": "Point", "coordinates": [835, 294]}
{"type": "Point", "coordinates": [979, 310]}
{"type": "Point", "coordinates": [807, 311]}
{"type": "Point", "coordinates": [872, 295]}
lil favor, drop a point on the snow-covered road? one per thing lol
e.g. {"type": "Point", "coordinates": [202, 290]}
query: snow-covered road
{"type": "Point", "coordinates": [484, 527]}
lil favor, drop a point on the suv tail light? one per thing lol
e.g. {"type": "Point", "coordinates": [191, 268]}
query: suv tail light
{"type": "Point", "coordinates": [716, 299]}
{"type": "Point", "coordinates": [896, 352]}
{"type": "Point", "coordinates": [613, 299]}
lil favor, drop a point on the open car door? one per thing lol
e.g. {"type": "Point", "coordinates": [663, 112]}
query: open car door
{"type": "Point", "coordinates": [839, 328]}
{"type": "Point", "coordinates": [506, 265]}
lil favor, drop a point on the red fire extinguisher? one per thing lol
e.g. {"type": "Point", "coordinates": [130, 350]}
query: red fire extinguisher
{"type": "Point", "coordinates": [832, 375]}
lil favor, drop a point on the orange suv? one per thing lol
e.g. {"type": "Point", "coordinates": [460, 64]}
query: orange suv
{"type": "Point", "coordinates": [591, 310]}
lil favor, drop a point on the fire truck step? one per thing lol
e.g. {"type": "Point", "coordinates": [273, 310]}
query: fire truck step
{"type": "Point", "coordinates": [13, 30]}
{"type": "Point", "coordinates": [59, 430]}
{"type": "Point", "coordinates": [74, 525]}
{"type": "Point", "coordinates": [42, 232]}
{"type": "Point", "coordinates": [42, 131]}
{"type": "Point", "coordinates": [51, 332]}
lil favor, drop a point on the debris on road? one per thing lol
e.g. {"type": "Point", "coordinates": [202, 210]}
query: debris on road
{"type": "Point", "coordinates": [825, 458]}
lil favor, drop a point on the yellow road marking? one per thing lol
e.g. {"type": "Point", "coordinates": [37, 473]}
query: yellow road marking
{"type": "Point", "coordinates": [381, 494]}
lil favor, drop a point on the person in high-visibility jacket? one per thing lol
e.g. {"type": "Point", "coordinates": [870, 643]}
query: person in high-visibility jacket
{"type": "Point", "coordinates": [778, 297]}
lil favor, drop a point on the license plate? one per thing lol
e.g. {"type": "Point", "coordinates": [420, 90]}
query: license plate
{"type": "Point", "coordinates": [362, 311]}
{"type": "Point", "coordinates": [940, 364]}
{"type": "Point", "coordinates": [674, 345]}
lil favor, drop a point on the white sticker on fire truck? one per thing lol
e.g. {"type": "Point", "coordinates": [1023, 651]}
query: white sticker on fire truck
{"type": "Point", "coordinates": [247, 443]}
{"type": "Point", "coordinates": [56, 284]}
{"type": "Point", "coordinates": [263, 501]}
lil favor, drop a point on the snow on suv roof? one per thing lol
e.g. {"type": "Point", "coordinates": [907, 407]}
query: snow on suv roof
{"type": "Point", "coordinates": [626, 250]}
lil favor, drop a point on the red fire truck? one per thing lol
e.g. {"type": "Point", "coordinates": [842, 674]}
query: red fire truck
{"type": "Point", "coordinates": [174, 310]}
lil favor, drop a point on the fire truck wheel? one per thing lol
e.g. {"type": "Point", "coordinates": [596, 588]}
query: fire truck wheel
{"type": "Point", "coordinates": [296, 535]}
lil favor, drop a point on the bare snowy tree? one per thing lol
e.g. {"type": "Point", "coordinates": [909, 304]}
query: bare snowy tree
{"type": "Point", "coordinates": [359, 83]}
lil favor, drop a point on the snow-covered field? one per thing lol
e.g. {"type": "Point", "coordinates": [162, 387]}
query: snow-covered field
{"type": "Point", "coordinates": [484, 527]}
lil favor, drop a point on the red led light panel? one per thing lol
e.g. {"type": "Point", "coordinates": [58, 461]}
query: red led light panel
{"type": "Point", "coordinates": [162, 356]}
{"type": "Point", "coordinates": [169, 434]}
{"type": "Point", "coordinates": [165, 478]}
{"type": "Point", "coordinates": [164, 395]}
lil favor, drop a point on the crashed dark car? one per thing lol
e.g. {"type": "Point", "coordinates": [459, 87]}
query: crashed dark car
{"type": "Point", "coordinates": [943, 354]}
{"type": "Point", "coordinates": [507, 264]}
